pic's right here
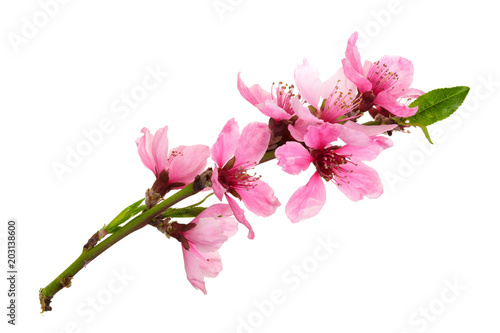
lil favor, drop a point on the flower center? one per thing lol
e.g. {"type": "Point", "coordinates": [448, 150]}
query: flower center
{"type": "Point", "coordinates": [381, 77]}
{"type": "Point", "coordinates": [367, 99]}
{"type": "Point", "coordinates": [237, 178]}
{"type": "Point", "coordinates": [338, 104]}
{"type": "Point", "coordinates": [332, 166]}
{"type": "Point", "coordinates": [284, 94]}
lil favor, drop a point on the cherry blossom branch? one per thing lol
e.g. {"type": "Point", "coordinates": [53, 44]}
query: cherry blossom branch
{"type": "Point", "coordinates": [319, 126]}
{"type": "Point", "coordinates": [64, 279]}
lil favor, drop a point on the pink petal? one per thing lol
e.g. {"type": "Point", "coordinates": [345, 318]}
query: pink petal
{"type": "Point", "coordinates": [219, 190]}
{"type": "Point", "coordinates": [208, 235]}
{"type": "Point", "coordinates": [198, 265]}
{"type": "Point", "coordinates": [409, 93]}
{"type": "Point", "coordinates": [220, 211]}
{"type": "Point", "coordinates": [307, 201]}
{"type": "Point", "coordinates": [260, 200]}
{"type": "Point", "coordinates": [404, 69]}
{"type": "Point", "coordinates": [144, 146]}
{"type": "Point", "coordinates": [213, 227]}
{"type": "Point", "coordinates": [369, 130]}
{"type": "Point", "coordinates": [353, 137]}
{"type": "Point", "coordinates": [215, 210]}
{"type": "Point", "coordinates": [308, 82]}
{"type": "Point", "coordinates": [318, 137]}
{"type": "Point", "coordinates": [362, 181]}
{"type": "Point", "coordinates": [337, 81]}
{"type": "Point", "coordinates": [369, 152]}
{"type": "Point", "coordinates": [272, 110]}
{"type": "Point", "coordinates": [299, 129]}
{"type": "Point", "coordinates": [255, 94]}
{"type": "Point", "coordinates": [366, 67]}
{"type": "Point", "coordinates": [186, 162]}
{"type": "Point", "coordinates": [352, 53]}
{"type": "Point", "coordinates": [390, 103]}
{"type": "Point", "coordinates": [225, 146]}
{"type": "Point", "coordinates": [303, 112]}
{"type": "Point", "coordinates": [239, 214]}
{"type": "Point", "coordinates": [160, 149]}
{"type": "Point", "coordinates": [358, 79]}
{"type": "Point", "coordinates": [253, 143]}
{"type": "Point", "coordinates": [293, 157]}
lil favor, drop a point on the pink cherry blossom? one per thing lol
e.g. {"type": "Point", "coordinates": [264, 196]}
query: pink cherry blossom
{"type": "Point", "coordinates": [235, 155]}
{"type": "Point", "coordinates": [382, 83]}
{"type": "Point", "coordinates": [334, 162]}
{"type": "Point", "coordinates": [276, 105]}
{"type": "Point", "coordinates": [329, 101]}
{"type": "Point", "coordinates": [175, 168]}
{"type": "Point", "coordinates": [200, 243]}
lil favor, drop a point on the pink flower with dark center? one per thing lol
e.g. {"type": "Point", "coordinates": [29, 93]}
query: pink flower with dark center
{"type": "Point", "coordinates": [173, 169]}
{"type": "Point", "coordinates": [276, 105]}
{"type": "Point", "coordinates": [383, 83]}
{"type": "Point", "coordinates": [235, 155]}
{"type": "Point", "coordinates": [200, 241]}
{"type": "Point", "coordinates": [329, 101]}
{"type": "Point", "coordinates": [334, 162]}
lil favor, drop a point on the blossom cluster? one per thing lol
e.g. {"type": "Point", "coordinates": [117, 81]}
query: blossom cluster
{"type": "Point", "coordinates": [312, 122]}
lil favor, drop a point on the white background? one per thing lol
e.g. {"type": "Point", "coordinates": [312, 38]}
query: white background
{"type": "Point", "coordinates": [436, 222]}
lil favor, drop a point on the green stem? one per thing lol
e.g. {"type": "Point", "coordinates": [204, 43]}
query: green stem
{"type": "Point", "coordinates": [64, 279]}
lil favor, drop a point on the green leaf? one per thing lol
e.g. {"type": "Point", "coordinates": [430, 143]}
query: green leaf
{"type": "Point", "coordinates": [125, 214]}
{"type": "Point", "coordinates": [189, 211]}
{"type": "Point", "coordinates": [113, 229]}
{"type": "Point", "coordinates": [435, 106]}
{"type": "Point", "coordinates": [183, 212]}
{"type": "Point", "coordinates": [202, 201]}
